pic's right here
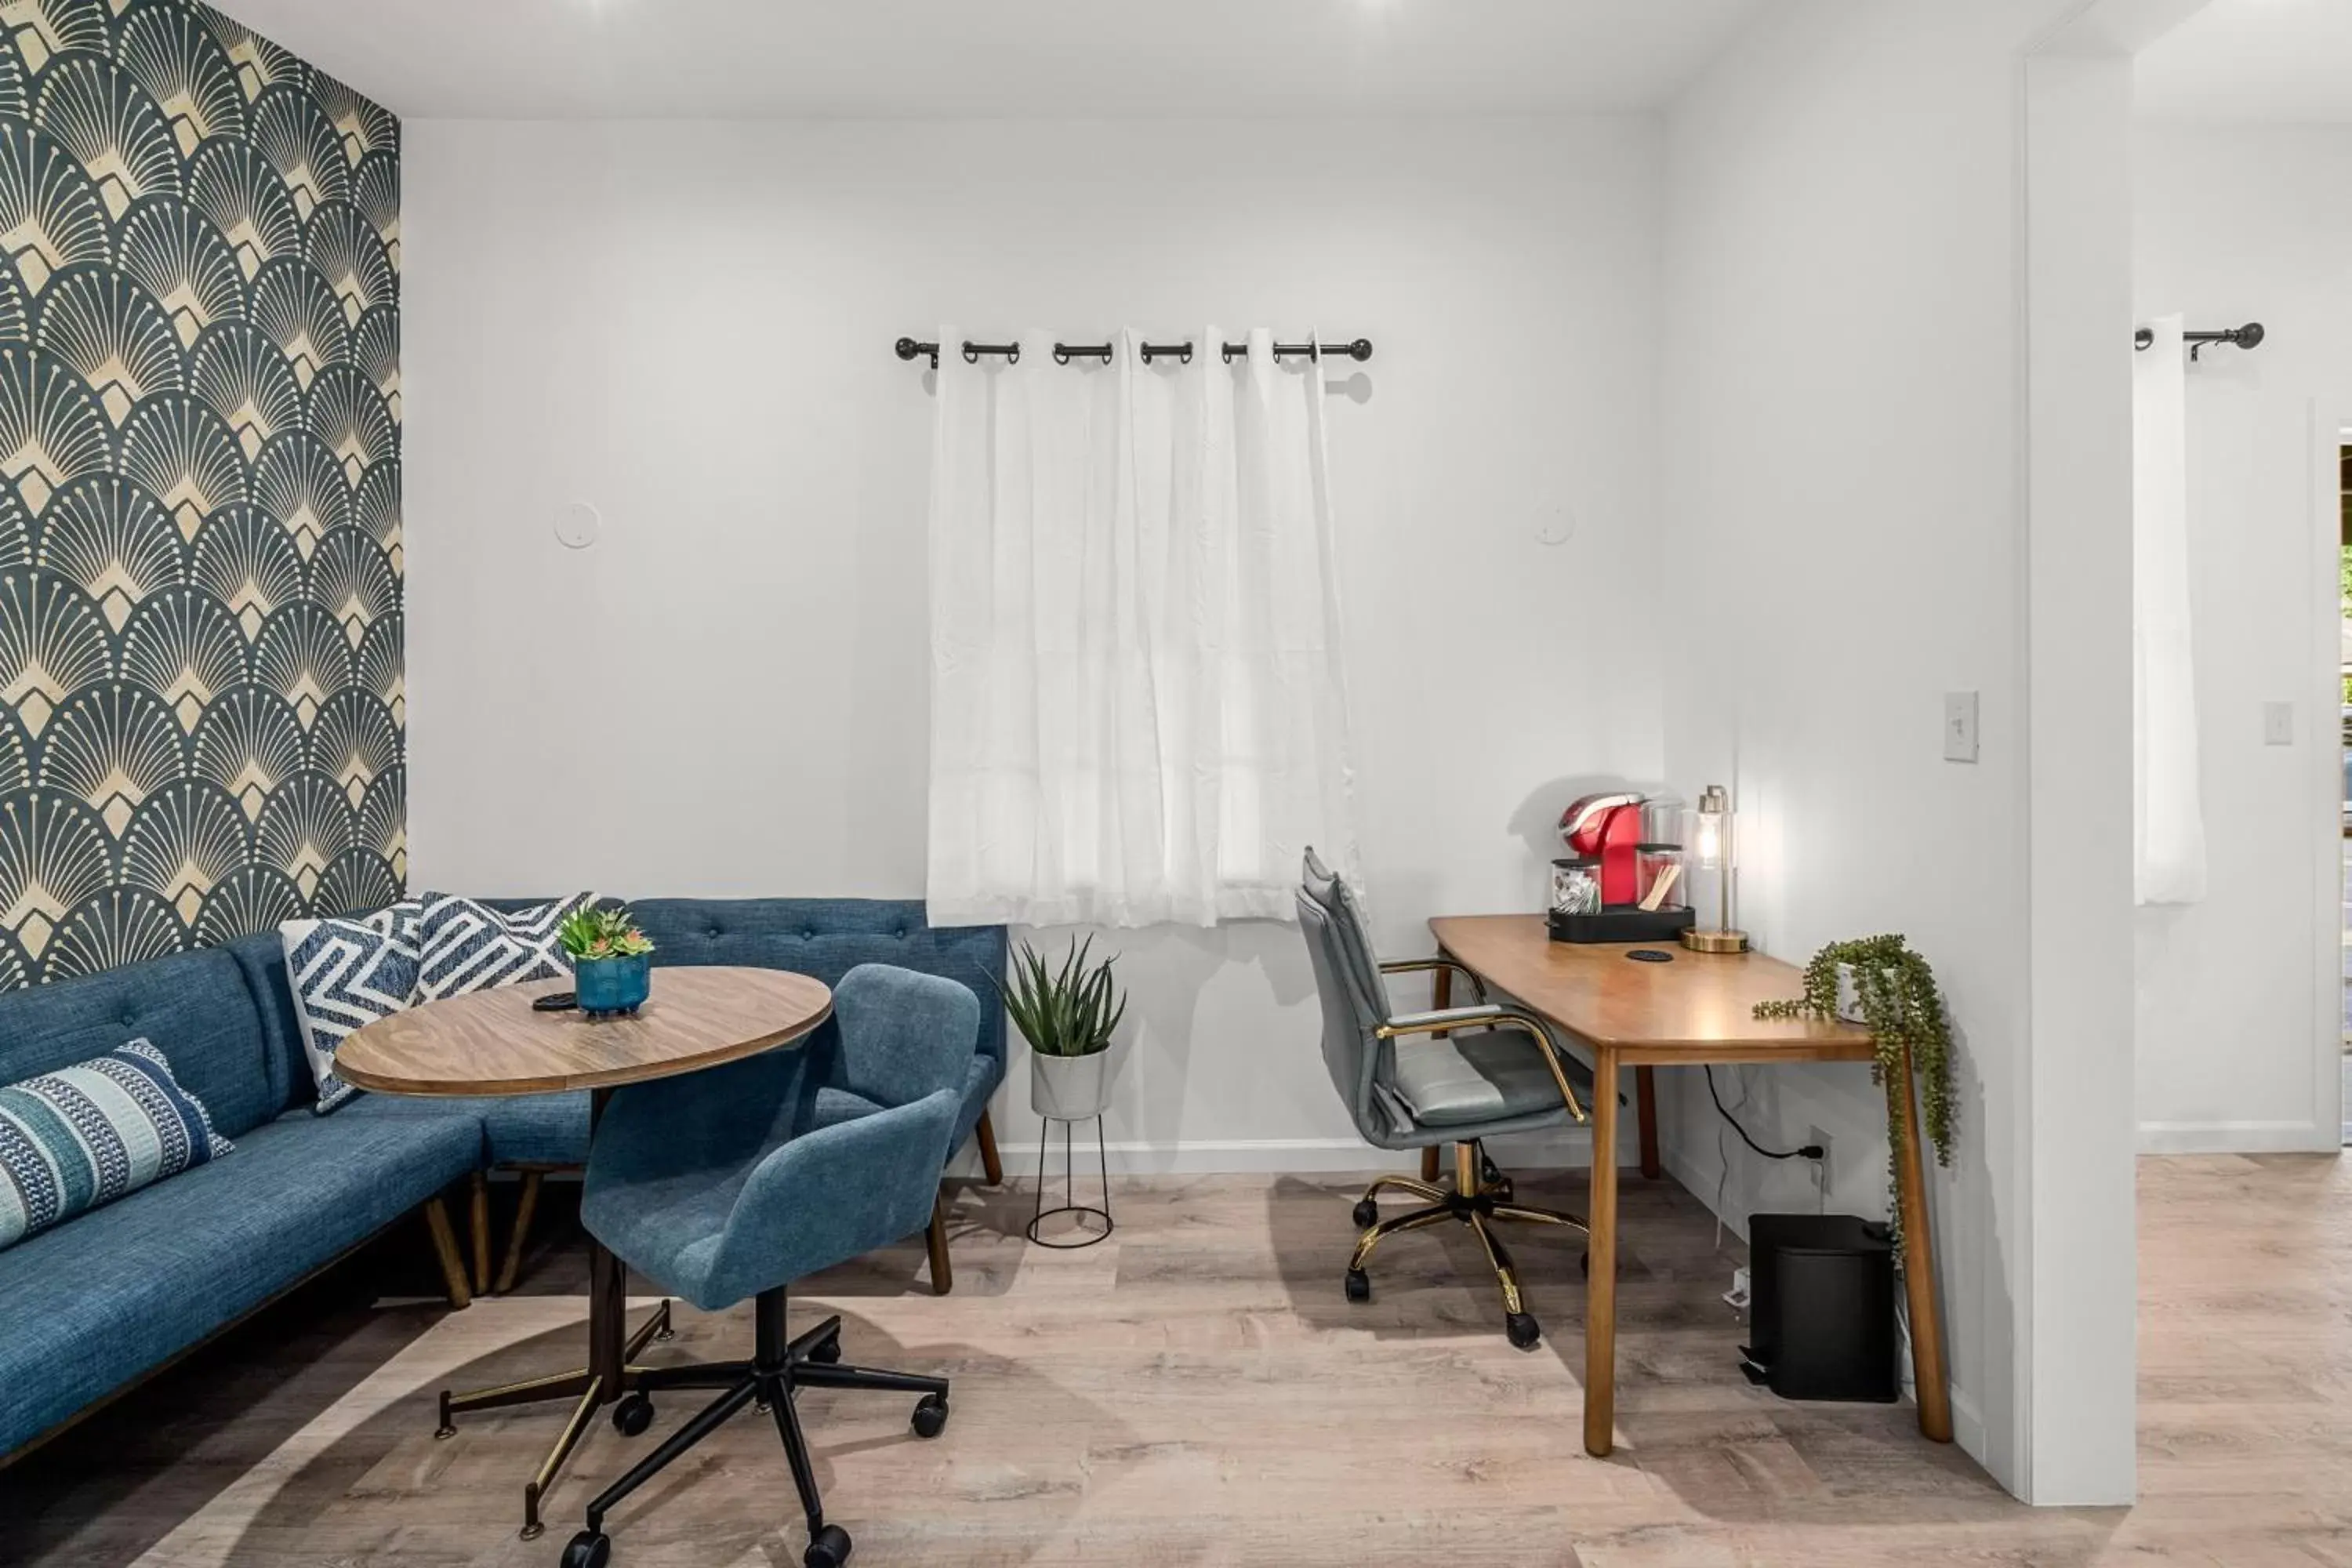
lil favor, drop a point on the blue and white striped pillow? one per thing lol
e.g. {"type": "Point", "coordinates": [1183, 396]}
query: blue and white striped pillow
{"type": "Point", "coordinates": [95, 1132]}
{"type": "Point", "coordinates": [345, 974]}
{"type": "Point", "coordinates": [469, 946]}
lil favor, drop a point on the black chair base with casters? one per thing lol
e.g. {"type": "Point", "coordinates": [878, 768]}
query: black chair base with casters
{"type": "Point", "coordinates": [781, 1367]}
{"type": "Point", "coordinates": [1481, 1197]}
{"type": "Point", "coordinates": [727, 1184]}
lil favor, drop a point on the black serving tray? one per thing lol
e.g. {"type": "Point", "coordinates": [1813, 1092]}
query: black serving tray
{"type": "Point", "coordinates": [1621, 922]}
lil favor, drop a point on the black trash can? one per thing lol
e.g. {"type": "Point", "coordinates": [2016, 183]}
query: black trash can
{"type": "Point", "coordinates": [1821, 1308]}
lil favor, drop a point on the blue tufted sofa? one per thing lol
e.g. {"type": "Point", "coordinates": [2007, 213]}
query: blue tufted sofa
{"type": "Point", "coordinates": [98, 1302]}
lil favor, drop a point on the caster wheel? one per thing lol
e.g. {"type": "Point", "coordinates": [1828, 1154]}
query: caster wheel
{"type": "Point", "coordinates": [1523, 1329]}
{"type": "Point", "coordinates": [826, 1353]}
{"type": "Point", "coordinates": [589, 1548]}
{"type": "Point", "coordinates": [931, 1417]}
{"type": "Point", "coordinates": [1360, 1285]}
{"type": "Point", "coordinates": [829, 1548]}
{"type": "Point", "coordinates": [1368, 1215]}
{"type": "Point", "coordinates": [633, 1414]}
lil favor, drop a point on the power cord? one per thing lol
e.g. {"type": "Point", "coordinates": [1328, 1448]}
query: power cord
{"type": "Point", "coordinates": [1810, 1152]}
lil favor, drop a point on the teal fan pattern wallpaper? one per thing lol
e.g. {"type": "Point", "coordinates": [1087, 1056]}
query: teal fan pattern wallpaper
{"type": "Point", "coordinates": [201, 702]}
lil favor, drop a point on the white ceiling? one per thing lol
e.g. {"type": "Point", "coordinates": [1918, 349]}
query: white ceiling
{"type": "Point", "coordinates": [2252, 60]}
{"type": "Point", "coordinates": [1043, 58]}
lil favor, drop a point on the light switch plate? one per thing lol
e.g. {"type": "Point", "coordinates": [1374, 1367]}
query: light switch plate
{"type": "Point", "coordinates": [2278, 723]}
{"type": "Point", "coordinates": [1959, 726]}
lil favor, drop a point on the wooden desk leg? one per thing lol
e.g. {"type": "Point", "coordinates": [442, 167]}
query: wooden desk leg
{"type": "Point", "coordinates": [1441, 994]}
{"type": "Point", "coordinates": [1645, 1105]}
{"type": "Point", "coordinates": [1600, 1287]}
{"type": "Point", "coordinates": [1935, 1395]}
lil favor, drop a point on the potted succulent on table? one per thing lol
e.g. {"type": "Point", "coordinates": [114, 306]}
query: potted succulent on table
{"type": "Point", "coordinates": [1067, 1016]}
{"type": "Point", "coordinates": [612, 960]}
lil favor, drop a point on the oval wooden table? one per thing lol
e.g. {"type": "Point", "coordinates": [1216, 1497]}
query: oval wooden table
{"type": "Point", "coordinates": [491, 1043]}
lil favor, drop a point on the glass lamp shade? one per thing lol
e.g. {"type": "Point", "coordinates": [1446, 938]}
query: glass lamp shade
{"type": "Point", "coordinates": [1710, 844]}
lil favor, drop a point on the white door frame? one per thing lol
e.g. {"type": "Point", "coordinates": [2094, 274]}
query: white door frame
{"type": "Point", "coordinates": [2076, 1412]}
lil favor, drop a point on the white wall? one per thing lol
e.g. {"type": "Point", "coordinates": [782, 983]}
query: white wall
{"type": "Point", "coordinates": [2239, 1008]}
{"type": "Point", "coordinates": [1843, 512]}
{"type": "Point", "coordinates": [688, 326]}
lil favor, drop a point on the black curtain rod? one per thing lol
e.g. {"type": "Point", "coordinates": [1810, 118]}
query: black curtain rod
{"type": "Point", "coordinates": [908, 347]}
{"type": "Point", "coordinates": [2243, 337]}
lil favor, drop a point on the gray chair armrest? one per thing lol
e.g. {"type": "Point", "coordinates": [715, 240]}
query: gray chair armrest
{"type": "Point", "coordinates": [1491, 1016]}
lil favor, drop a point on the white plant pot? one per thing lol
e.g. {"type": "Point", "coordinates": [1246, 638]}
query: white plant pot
{"type": "Point", "coordinates": [1069, 1088]}
{"type": "Point", "coordinates": [1849, 997]}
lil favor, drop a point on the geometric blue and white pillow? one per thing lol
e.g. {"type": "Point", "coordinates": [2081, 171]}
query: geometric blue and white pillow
{"type": "Point", "coordinates": [345, 974]}
{"type": "Point", "coordinates": [90, 1133]}
{"type": "Point", "coordinates": [469, 946]}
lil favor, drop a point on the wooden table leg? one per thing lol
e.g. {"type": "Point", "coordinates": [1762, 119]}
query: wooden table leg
{"type": "Point", "coordinates": [1601, 1286]}
{"type": "Point", "coordinates": [1646, 1106]}
{"type": "Point", "coordinates": [1441, 994]}
{"type": "Point", "coordinates": [1934, 1393]}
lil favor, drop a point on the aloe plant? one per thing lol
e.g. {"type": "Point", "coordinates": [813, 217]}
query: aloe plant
{"type": "Point", "coordinates": [1070, 1011]}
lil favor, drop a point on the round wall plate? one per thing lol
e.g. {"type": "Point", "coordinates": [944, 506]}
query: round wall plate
{"type": "Point", "coordinates": [577, 525]}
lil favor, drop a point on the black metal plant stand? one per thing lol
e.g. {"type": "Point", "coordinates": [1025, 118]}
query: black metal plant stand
{"type": "Point", "coordinates": [1087, 1234]}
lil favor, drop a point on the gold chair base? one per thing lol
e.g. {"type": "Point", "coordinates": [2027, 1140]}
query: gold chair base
{"type": "Point", "coordinates": [1481, 1195]}
{"type": "Point", "coordinates": [583, 1388]}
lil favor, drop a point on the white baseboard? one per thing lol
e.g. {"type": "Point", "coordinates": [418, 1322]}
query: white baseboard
{"type": "Point", "coordinates": [1967, 1423]}
{"type": "Point", "coordinates": [2238, 1138]}
{"type": "Point", "coordinates": [1189, 1157]}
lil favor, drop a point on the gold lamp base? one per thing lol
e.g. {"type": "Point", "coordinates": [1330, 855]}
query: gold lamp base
{"type": "Point", "coordinates": [1699, 940]}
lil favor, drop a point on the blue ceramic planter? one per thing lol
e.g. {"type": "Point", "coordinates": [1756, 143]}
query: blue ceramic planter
{"type": "Point", "coordinates": [610, 986]}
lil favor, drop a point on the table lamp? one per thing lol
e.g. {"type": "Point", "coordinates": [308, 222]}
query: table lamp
{"type": "Point", "coordinates": [1711, 849]}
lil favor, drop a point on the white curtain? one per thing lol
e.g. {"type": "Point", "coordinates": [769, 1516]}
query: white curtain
{"type": "Point", "coordinates": [1138, 709]}
{"type": "Point", "coordinates": [2168, 813]}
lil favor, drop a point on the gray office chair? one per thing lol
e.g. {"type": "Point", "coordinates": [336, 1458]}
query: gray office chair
{"type": "Point", "coordinates": [1416, 1081]}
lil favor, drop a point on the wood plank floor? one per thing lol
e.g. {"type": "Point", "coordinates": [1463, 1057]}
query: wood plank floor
{"type": "Point", "coordinates": [1196, 1391]}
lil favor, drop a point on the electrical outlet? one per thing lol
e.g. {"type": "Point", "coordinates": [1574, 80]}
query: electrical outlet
{"type": "Point", "coordinates": [1819, 1138]}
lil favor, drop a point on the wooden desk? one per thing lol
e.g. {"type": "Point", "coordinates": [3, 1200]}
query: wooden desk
{"type": "Point", "coordinates": [1699, 1009]}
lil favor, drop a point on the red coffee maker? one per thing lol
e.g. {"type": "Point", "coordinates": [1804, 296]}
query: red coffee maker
{"type": "Point", "coordinates": [1607, 828]}
{"type": "Point", "coordinates": [1624, 873]}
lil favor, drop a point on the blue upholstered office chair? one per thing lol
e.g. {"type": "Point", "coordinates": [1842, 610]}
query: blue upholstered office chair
{"type": "Point", "coordinates": [1416, 1081]}
{"type": "Point", "coordinates": [733, 1183]}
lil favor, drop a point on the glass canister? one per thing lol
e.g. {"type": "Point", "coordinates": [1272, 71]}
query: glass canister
{"type": "Point", "coordinates": [1576, 887]}
{"type": "Point", "coordinates": [1659, 877]}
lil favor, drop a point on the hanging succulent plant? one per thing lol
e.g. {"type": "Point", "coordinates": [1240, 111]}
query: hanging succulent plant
{"type": "Point", "coordinates": [1904, 1011]}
